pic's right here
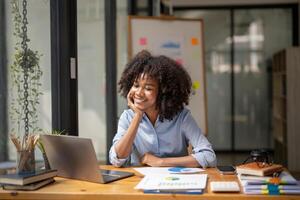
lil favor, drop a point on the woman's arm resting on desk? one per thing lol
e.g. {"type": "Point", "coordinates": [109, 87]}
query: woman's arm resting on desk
{"type": "Point", "coordinates": [205, 158]}
{"type": "Point", "coordinates": [185, 161]}
{"type": "Point", "coordinates": [202, 149]}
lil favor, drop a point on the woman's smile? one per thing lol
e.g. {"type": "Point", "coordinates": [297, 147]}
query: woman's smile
{"type": "Point", "coordinates": [139, 100]}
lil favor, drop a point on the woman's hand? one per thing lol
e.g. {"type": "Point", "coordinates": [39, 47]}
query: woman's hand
{"type": "Point", "coordinates": [154, 161]}
{"type": "Point", "coordinates": [151, 160]}
{"type": "Point", "coordinates": [130, 103]}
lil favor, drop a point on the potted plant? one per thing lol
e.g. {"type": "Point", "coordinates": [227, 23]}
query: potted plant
{"type": "Point", "coordinates": [25, 73]}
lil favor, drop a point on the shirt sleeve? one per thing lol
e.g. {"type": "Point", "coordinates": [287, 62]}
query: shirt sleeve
{"type": "Point", "coordinates": [122, 128]}
{"type": "Point", "coordinates": [202, 149]}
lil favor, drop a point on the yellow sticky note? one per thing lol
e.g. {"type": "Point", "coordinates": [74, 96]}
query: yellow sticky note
{"type": "Point", "coordinates": [196, 85]}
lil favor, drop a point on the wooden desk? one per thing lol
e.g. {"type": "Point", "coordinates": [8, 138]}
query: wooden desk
{"type": "Point", "coordinates": [123, 189]}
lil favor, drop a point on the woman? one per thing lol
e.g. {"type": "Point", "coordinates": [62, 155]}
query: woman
{"type": "Point", "coordinates": [157, 128]}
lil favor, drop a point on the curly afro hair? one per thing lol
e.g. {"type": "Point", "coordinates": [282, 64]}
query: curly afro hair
{"type": "Point", "coordinates": [173, 81]}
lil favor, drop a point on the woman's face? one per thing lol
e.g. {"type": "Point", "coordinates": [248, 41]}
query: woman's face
{"type": "Point", "coordinates": [144, 93]}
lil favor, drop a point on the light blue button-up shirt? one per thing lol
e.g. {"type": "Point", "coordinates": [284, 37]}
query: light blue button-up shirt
{"type": "Point", "coordinates": [169, 138]}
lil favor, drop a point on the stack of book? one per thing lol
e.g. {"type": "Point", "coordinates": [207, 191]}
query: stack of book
{"type": "Point", "coordinates": [28, 181]}
{"type": "Point", "coordinates": [255, 179]}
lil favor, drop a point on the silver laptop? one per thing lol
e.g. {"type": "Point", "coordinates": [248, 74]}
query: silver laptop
{"type": "Point", "coordinates": [75, 158]}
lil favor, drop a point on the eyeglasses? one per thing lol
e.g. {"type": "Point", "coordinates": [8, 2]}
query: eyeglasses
{"type": "Point", "coordinates": [261, 157]}
{"type": "Point", "coordinates": [263, 164]}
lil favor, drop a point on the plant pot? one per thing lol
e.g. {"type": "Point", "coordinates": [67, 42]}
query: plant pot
{"type": "Point", "coordinates": [25, 161]}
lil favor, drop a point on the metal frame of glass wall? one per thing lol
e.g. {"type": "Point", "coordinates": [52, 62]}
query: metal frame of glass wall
{"type": "Point", "coordinates": [63, 48]}
{"type": "Point", "coordinates": [3, 86]}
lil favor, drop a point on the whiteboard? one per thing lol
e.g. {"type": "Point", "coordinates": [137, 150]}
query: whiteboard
{"type": "Point", "coordinates": [180, 39]}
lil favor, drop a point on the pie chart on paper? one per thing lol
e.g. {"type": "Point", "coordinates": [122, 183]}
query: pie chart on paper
{"type": "Point", "coordinates": [184, 170]}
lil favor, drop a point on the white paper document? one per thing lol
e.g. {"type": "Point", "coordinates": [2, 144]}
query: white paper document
{"type": "Point", "coordinates": [173, 182]}
{"type": "Point", "coordinates": [167, 170]}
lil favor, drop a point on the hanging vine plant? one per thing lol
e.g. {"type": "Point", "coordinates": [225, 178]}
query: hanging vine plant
{"type": "Point", "coordinates": [25, 73]}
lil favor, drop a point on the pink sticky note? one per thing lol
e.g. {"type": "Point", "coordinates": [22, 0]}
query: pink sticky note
{"type": "Point", "coordinates": [143, 41]}
{"type": "Point", "coordinates": [179, 61]}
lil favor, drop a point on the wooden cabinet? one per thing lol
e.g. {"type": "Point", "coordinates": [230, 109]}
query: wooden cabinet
{"type": "Point", "coordinates": [286, 107]}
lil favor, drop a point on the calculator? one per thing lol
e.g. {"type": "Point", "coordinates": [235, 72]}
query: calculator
{"type": "Point", "coordinates": [224, 186]}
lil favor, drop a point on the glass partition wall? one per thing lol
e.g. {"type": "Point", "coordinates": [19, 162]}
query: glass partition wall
{"type": "Point", "coordinates": [91, 69]}
{"type": "Point", "coordinates": [38, 31]}
{"type": "Point", "coordinates": [239, 44]}
{"type": "Point", "coordinates": [258, 34]}
{"type": "Point", "coordinates": [91, 73]}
